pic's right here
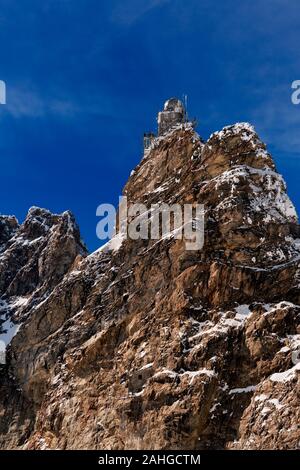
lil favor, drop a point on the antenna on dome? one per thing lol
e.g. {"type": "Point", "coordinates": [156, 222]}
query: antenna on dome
{"type": "Point", "coordinates": [185, 100]}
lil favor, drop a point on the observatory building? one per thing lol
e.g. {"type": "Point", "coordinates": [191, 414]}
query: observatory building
{"type": "Point", "coordinates": [174, 113]}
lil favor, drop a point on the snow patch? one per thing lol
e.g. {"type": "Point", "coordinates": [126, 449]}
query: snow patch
{"type": "Point", "coordinates": [246, 130]}
{"type": "Point", "coordinates": [249, 388]}
{"type": "Point", "coordinates": [9, 329]}
{"type": "Point", "coordinates": [193, 374]}
{"type": "Point", "coordinates": [114, 244]}
{"type": "Point", "coordinates": [242, 312]}
{"type": "Point", "coordinates": [285, 376]}
{"type": "Point", "coordinates": [261, 397]}
{"type": "Point", "coordinates": [270, 309]}
{"type": "Point", "coordinates": [147, 366]}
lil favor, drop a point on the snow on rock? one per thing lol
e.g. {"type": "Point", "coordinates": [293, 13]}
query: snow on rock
{"type": "Point", "coordinates": [165, 372]}
{"type": "Point", "coordinates": [190, 374]}
{"type": "Point", "coordinates": [294, 341]}
{"type": "Point", "coordinates": [285, 376]}
{"type": "Point", "coordinates": [261, 397]}
{"type": "Point", "coordinates": [19, 302]}
{"type": "Point", "coordinates": [222, 327]}
{"type": "Point", "coordinates": [276, 403]}
{"type": "Point", "coordinates": [263, 403]}
{"type": "Point", "coordinates": [269, 197]}
{"type": "Point", "coordinates": [244, 128]}
{"type": "Point", "coordinates": [242, 312]}
{"type": "Point", "coordinates": [271, 309]}
{"type": "Point", "coordinates": [248, 389]}
{"type": "Point", "coordinates": [187, 126]}
{"type": "Point", "coordinates": [247, 133]}
{"type": "Point", "coordinates": [193, 374]}
{"type": "Point", "coordinates": [9, 306]}
{"type": "Point", "coordinates": [9, 330]}
{"type": "Point", "coordinates": [285, 349]}
{"type": "Point", "coordinates": [114, 244]}
{"type": "Point", "coordinates": [147, 366]}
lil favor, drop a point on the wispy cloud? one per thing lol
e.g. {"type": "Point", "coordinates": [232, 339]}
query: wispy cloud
{"type": "Point", "coordinates": [129, 11]}
{"type": "Point", "coordinates": [23, 102]}
{"type": "Point", "coordinates": [29, 102]}
{"type": "Point", "coordinates": [279, 119]}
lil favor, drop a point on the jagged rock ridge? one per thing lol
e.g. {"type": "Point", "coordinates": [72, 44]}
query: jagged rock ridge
{"type": "Point", "coordinates": [144, 344]}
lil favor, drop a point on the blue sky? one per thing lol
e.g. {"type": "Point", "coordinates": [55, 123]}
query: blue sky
{"type": "Point", "coordinates": [85, 78]}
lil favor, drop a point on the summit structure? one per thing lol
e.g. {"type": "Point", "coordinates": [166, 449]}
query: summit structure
{"type": "Point", "coordinates": [174, 113]}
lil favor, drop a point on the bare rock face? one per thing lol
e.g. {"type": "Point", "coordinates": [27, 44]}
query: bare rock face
{"type": "Point", "coordinates": [8, 227]}
{"type": "Point", "coordinates": [37, 253]}
{"type": "Point", "coordinates": [144, 344]}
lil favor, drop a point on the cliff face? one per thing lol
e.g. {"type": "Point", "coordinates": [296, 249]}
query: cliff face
{"type": "Point", "coordinates": [144, 344]}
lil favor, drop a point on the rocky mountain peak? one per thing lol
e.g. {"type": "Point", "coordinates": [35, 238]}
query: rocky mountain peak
{"type": "Point", "coordinates": [35, 256]}
{"type": "Point", "coordinates": [144, 344]}
{"type": "Point", "coordinates": [8, 227]}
